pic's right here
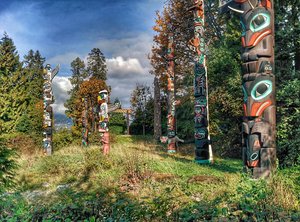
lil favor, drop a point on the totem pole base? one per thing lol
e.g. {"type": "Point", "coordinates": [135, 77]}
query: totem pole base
{"type": "Point", "coordinates": [203, 161]}
{"type": "Point", "coordinates": [105, 142]}
{"type": "Point", "coordinates": [266, 166]}
{"type": "Point", "coordinates": [172, 147]}
{"type": "Point", "coordinates": [48, 152]}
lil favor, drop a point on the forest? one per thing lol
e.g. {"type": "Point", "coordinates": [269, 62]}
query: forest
{"type": "Point", "coordinates": [139, 180]}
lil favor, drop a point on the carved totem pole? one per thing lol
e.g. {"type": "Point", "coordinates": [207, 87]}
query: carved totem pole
{"type": "Point", "coordinates": [157, 109]}
{"type": "Point", "coordinates": [203, 149]}
{"type": "Point", "coordinates": [259, 124]}
{"type": "Point", "coordinates": [84, 119]}
{"type": "Point", "coordinates": [171, 96]}
{"type": "Point", "coordinates": [48, 111]}
{"type": "Point", "coordinates": [103, 120]}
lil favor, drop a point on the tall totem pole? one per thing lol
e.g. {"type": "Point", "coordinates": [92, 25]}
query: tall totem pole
{"type": "Point", "coordinates": [259, 124]}
{"type": "Point", "coordinates": [203, 149]}
{"type": "Point", "coordinates": [171, 96]}
{"type": "Point", "coordinates": [84, 120]}
{"type": "Point", "coordinates": [157, 109]}
{"type": "Point", "coordinates": [103, 120]}
{"type": "Point", "coordinates": [48, 111]}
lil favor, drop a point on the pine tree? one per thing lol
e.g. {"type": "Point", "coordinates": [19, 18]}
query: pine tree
{"type": "Point", "coordinates": [287, 68]}
{"type": "Point", "coordinates": [79, 73]}
{"type": "Point", "coordinates": [31, 89]}
{"type": "Point", "coordinates": [10, 74]}
{"type": "Point", "coordinates": [143, 110]}
{"type": "Point", "coordinates": [96, 66]}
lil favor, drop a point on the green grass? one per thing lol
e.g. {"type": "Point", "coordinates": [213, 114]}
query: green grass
{"type": "Point", "coordinates": [139, 181]}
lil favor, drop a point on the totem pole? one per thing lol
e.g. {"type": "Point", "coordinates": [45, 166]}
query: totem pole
{"type": "Point", "coordinates": [203, 150]}
{"type": "Point", "coordinates": [84, 119]}
{"type": "Point", "coordinates": [48, 111]}
{"type": "Point", "coordinates": [103, 120]}
{"type": "Point", "coordinates": [259, 123]}
{"type": "Point", "coordinates": [157, 109]}
{"type": "Point", "coordinates": [171, 96]}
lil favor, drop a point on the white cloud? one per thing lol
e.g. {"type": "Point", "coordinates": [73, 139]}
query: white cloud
{"type": "Point", "coordinates": [123, 75]}
{"type": "Point", "coordinates": [137, 46]}
{"type": "Point", "coordinates": [119, 67]}
{"type": "Point", "coordinates": [60, 87]}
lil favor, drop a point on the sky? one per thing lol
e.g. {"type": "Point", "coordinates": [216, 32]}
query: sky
{"type": "Point", "coordinates": [65, 29]}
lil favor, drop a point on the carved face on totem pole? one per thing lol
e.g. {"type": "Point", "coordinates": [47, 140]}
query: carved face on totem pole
{"type": "Point", "coordinates": [257, 21]}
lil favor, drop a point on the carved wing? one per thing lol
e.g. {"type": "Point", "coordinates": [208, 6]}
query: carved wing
{"type": "Point", "coordinates": [54, 72]}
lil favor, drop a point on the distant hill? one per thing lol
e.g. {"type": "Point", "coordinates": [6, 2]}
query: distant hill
{"type": "Point", "coordinates": [62, 121]}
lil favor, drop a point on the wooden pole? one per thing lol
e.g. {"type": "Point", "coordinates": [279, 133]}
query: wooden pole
{"type": "Point", "coordinates": [203, 151]}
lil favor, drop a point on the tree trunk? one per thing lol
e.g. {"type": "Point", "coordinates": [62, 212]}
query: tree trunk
{"type": "Point", "coordinates": [127, 121]}
{"type": "Point", "coordinates": [93, 116]}
{"type": "Point", "coordinates": [297, 57]}
{"type": "Point", "coordinates": [157, 110]}
{"type": "Point", "coordinates": [295, 14]}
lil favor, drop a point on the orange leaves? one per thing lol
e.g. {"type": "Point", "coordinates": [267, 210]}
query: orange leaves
{"type": "Point", "coordinates": [91, 87]}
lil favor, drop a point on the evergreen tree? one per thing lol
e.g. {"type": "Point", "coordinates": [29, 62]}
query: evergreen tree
{"type": "Point", "coordinates": [31, 88]}
{"type": "Point", "coordinates": [7, 167]}
{"type": "Point", "coordinates": [287, 68]}
{"type": "Point", "coordinates": [96, 66]}
{"type": "Point", "coordinates": [79, 73]}
{"type": "Point", "coordinates": [142, 104]}
{"type": "Point", "coordinates": [10, 74]}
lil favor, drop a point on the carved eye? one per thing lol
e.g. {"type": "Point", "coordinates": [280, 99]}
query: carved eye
{"type": "Point", "coordinates": [259, 22]}
{"type": "Point", "coordinates": [261, 90]}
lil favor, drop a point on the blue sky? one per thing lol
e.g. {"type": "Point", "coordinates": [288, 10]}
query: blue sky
{"type": "Point", "coordinates": [65, 29]}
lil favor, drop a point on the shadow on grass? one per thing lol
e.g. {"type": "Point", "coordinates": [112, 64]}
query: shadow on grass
{"type": "Point", "coordinates": [228, 165]}
{"type": "Point", "coordinates": [185, 154]}
{"type": "Point", "coordinates": [147, 139]}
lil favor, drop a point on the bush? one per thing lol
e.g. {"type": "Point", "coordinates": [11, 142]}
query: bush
{"type": "Point", "coordinates": [62, 138]}
{"type": "Point", "coordinates": [13, 207]}
{"type": "Point", "coordinates": [117, 123]}
{"type": "Point", "coordinates": [7, 166]}
{"type": "Point", "coordinates": [23, 143]}
{"type": "Point", "coordinates": [288, 115]}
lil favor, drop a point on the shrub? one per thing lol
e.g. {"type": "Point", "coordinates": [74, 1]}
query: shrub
{"type": "Point", "coordinates": [7, 166]}
{"type": "Point", "coordinates": [62, 138]}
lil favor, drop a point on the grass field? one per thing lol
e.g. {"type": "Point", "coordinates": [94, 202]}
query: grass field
{"type": "Point", "coordinates": [139, 181]}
